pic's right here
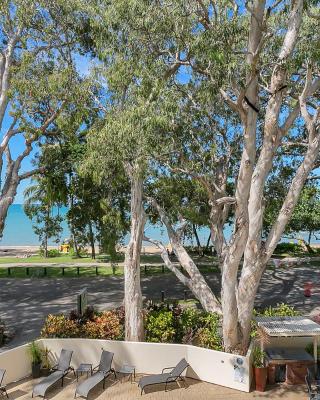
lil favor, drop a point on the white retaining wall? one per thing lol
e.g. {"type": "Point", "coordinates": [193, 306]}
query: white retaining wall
{"type": "Point", "coordinates": [148, 358]}
{"type": "Point", "coordinates": [16, 362]}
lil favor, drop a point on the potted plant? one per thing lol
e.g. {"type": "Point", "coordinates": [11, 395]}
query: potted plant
{"type": "Point", "coordinates": [45, 369]}
{"type": "Point", "coordinates": [36, 358]}
{"type": "Point", "coordinates": [259, 368]}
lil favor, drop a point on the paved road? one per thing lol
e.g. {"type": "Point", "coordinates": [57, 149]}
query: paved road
{"type": "Point", "coordinates": [24, 303]}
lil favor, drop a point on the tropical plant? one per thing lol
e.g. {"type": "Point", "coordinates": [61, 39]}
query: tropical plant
{"type": "Point", "coordinates": [35, 353]}
{"type": "Point", "coordinates": [258, 357]}
{"type": "Point", "coordinates": [160, 327]}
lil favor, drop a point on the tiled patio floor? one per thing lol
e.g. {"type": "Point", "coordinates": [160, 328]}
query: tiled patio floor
{"type": "Point", "coordinates": [124, 390]}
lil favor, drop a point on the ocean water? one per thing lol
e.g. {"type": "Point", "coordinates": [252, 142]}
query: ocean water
{"type": "Point", "coordinates": [18, 230]}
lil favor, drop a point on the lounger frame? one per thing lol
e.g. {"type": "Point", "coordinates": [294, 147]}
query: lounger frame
{"type": "Point", "coordinates": [55, 368]}
{"type": "Point", "coordinates": [170, 379]}
{"type": "Point", "coordinates": [105, 374]}
{"type": "Point", "coordinates": [3, 389]}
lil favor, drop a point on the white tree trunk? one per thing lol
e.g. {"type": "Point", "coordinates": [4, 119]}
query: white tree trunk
{"type": "Point", "coordinates": [134, 329]}
{"type": "Point", "coordinates": [5, 203]}
{"type": "Point", "coordinates": [194, 279]}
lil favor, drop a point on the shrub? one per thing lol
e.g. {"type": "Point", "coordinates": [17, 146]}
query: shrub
{"type": "Point", "coordinates": [164, 323]}
{"type": "Point", "coordinates": [280, 310]}
{"type": "Point", "coordinates": [189, 323]}
{"type": "Point", "coordinates": [60, 326]}
{"type": "Point", "coordinates": [289, 248]}
{"type": "Point", "coordinates": [51, 253]}
{"type": "Point", "coordinates": [160, 326]}
{"type": "Point", "coordinates": [54, 253]}
{"type": "Point", "coordinates": [171, 323]}
{"type": "Point", "coordinates": [105, 326]}
{"type": "Point", "coordinates": [208, 335]}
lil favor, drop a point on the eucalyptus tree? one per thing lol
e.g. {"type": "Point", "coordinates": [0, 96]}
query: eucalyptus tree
{"type": "Point", "coordinates": [138, 110]}
{"type": "Point", "coordinates": [38, 81]}
{"type": "Point", "coordinates": [259, 66]}
{"type": "Point", "coordinates": [271, 83]}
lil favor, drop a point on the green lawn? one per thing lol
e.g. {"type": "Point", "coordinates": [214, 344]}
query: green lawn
{"type": "Point", "coordinates": [68, 272]}
{"type": "Point", "coordinates": [62, 259]}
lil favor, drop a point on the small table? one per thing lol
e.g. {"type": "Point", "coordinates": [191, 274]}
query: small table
{"type": "Point", "coordinates": [296, 361]}
{"type": "Point", "coordinates": [128, 370]}
{"type": "Point", "coordinates": [84, 368]}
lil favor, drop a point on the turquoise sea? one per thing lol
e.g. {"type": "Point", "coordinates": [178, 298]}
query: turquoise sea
{"type": "Point", "coordinates": [18, 230]}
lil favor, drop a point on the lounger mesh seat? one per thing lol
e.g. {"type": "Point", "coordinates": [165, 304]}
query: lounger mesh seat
{"type": "Point", "coordinates": [3, 389]}
{"type": "Point", "coordinates": [164, 378]}
{"type": "Point", "coordinates": [60, 371]}
{"type": "Point", "coordinates": [103, 370]}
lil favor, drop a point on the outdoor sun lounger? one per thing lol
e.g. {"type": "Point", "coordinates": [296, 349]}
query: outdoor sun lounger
{"type": "Point", "coordinates": [164, 378]}
{"type": "Point", "coordinates": [103, 370]}
{"type": "Point", "coordinates": [2, 387]}
{"type": "Point", "coordinates": [60, 371]}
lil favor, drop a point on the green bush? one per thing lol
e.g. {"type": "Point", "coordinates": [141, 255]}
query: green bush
{"type": "Point", "coordinates": [164, 323]}
{"type": "Point", "coordinates": [288, 248]}
{"type": "Point", "coordinates": [160, 327]}
{"type": "Point", "coordinates": [171, 323]}
{"type": "Point", "coordinates": [280, 310]}
{"type": "Point", "coordinates": [209, 335]}
{"type": "Point", "coordinates": [52, 253]}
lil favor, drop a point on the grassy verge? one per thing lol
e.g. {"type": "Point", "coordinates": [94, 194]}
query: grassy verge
{"type": "Point", "coordinates": [38, 259]}
{"type": "Point", "coordinates": [73, 272]}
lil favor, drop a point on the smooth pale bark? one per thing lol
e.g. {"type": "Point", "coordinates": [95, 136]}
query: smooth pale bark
{"type": "Point", "coordinates": [231, 332]}
{"type": "Point", "coordinates": [134, 329]}
{"type": "Point", "coordinates": [194, 279]}
{"type": "Point", "coordinates": [253, 265]}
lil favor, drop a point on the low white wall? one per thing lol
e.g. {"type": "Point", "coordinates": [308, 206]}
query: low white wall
{"type": "Point", "coordinates": [16, 362]}
{"type": "Point", "coordinates": [216, 367]}
{"type": "Point", "coordinates": [149, 358]}
{"type": "Point", "coordinates": [220, 368]}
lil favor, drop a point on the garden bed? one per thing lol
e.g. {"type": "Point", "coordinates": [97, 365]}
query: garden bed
{"type": "Point", "coordinates": [164, 323]}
